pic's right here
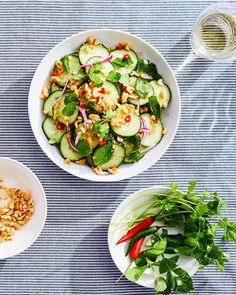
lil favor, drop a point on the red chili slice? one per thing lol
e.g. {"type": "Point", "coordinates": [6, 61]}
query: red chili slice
{"type": "Point", "coordinates": [102, 143]}
{"type": "Point", "coordinates": [126, 57]}
{"type": "Point", "coordinates": [55, 73]}
{"type": "Point", "coordinates": [128, 118]}
{"type": "Point", "coordinates": [59, 126]}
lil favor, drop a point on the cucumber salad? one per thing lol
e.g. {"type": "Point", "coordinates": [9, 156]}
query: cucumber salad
{"type": "Point", "coordinates": [103, 106]}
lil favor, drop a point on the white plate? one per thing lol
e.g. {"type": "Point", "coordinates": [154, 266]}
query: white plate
{"type": "Point", "coordinates": [17, 175]}
{"type": "Point", "coordinates": [109, 37]}
{"type": "Point", "coordinates": [116, 232]}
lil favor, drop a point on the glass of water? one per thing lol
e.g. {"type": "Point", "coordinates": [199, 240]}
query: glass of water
{"type": "Point", "coordinates": [214, 32]}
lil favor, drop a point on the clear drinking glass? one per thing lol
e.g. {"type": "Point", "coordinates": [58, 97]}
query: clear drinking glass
{"type": "Point", "coordinates": [214, 32]}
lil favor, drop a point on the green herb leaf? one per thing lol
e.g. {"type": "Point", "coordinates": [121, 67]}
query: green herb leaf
{"type": "Point", "coordinates": [70, 97]}
{"type": "Point", "coordinates": [100, 128]}
{"type": "Point", "coordinates": [84, 148]}
{"type": "Point", "coordinates": [160, 285]}
{"type": "Point", "coordinates": [168, 264]}
{"type": "Point", "coordinates": [121, 62]}
{"type": "Point", "coordinates": [148, 68]}
{"type": "Point", "coordinates": [157, 249]}
{"type": "Point", "coordinates": [133, 274]}
{"type": "Point", "coordinates": [155, 107]}
{"type": "Point", "coordinates": [133, 156]}
{"type": "Point", "coordinates": [94, 74]}
{"type": "Point", "coordinates": [142, 87]}
{"type": "Point", "coordinates": [183, 280]}
{"type": "Point", "coordinates": [114, 77]}
{"type": "Point", "coordinates": [229, 228]}
{"type": "Point", "coordinates": [69, 109]}
{"type": "Point", "coordinates": [103, 154]}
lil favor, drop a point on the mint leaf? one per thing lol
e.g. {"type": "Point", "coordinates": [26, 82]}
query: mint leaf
{"type": "Point", "coordinates": [70, 97]}
{"type": "Point", "coordinates": [133, 274]}
{"type": "Point", "coordinates": [157, 249]}
{"type": "Point", "coordinates": [100, 129]}
{"type": "Point", "coordinates": [148, 68]}
{"type": "Point", "coordinates": [124, 80]}
{"type": "Point", "coordinates": [114, 76]}
{"type": "Point", "coordinates": [160, 285]}
{"type": "Point", "coordinates": [69, 109]}
{"type": "Point", "coordinates": [121, 62]}
{"type": "Point", "coordinates": [142, 87]}
{"type": "Point", "coordinates": [103, 154]}
{"type": "Point", "coordinates": [155, 107]}
{"type": "Point", "coordinates": [84, 148]}
{"type": "Point", "coordinates": [183, 280]}
{"type": "Point", "coordinates": [168, 264]}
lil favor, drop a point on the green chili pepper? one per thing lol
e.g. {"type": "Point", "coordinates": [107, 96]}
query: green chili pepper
{"type": "Point", "coordinates": [141, 234]}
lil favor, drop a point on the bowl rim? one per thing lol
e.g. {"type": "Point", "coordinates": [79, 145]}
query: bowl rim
{"type": "Point", "coordinates": [44, 217]}
{"type": "Point", "coordinates": [112, 177]}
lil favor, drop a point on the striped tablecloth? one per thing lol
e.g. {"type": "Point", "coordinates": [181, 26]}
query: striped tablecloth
{"type": "Point", "coordinates": [71, 256]}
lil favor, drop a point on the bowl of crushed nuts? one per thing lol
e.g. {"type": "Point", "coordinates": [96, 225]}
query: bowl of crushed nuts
{"type": "Point", "coordinates": [23, 207]}
{"type": "Point", "coordinates": [104, 105]}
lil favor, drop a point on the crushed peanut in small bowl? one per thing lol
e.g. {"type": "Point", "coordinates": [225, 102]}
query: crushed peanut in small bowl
{"type": "Point", "coordinates": [16, 208]}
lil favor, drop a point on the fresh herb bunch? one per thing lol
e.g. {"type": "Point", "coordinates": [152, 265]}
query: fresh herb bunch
{"type": "Point", "coordinates": [200, 217]}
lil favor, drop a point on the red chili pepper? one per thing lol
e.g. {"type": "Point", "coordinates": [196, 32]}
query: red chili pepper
{"type": "Point", "coordinates": [59, 126]}
{"type": "Point", "coordinates": [135, 250]}
{"type": "Point", "coordinates": [119, 99]}
{"type": "Point", "coordinates": [122, 88]}
{"type": "Point", "coordinates": [103, 90]}
{"type": "Point", "coordinates": [83, 105]}
{"type": "Point", "coordinates": [128, 118]}
{"type": "Point", "coordinates": [133, 231]}
{"type": "Point", "coordinates": [155, 121]}
{"type": "Point", "coordinates": [55, 73]}
{"type": "Point", "coordinates": [102, 143]}
{"type": "Point", "coordinates": [119, 47]}
{"type": "Point", "coordinates": [126, 57]}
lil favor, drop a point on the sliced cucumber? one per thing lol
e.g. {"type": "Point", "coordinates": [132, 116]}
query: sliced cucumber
{"type": "Point", "coordinates": [87, 51]}
{"type": "Point", "coordinates": [117, 158]}
{"type": "Point", "coordinates": [58, 111]}
{"type": "Point", "coordinates": [53, 134]}
{"type": "Point", "coordinates": [67, 151]}
{"type": "Point", "coordinates": [49, 103]}
{"type": "Point", "coordinates": [107, 66]}
{"type": "Point", "coordinates": [154, 136]}
{"type": "Point", "coordinates": [64, 77]}
{"type": "Point", "coordinates": [120, 54]}
{"type": "Point", "coordinates": [132, 81]}
{"type": "Point", "coordinates": [162, 92]}
{"type": "Point", "coordinates": [71, 64]}
{"type": "Point", "coordinates": [141, 101]}
{"type": "Point", "coordinates": [128, 127]}
{"type": "Point", "coordinates": [55, 87]}
{"type": "Point", "coordinates": [110, 99]}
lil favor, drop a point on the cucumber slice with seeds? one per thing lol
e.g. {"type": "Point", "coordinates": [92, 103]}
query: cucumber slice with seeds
{"type": "Point", "coordinates": [154, 136]}
{"type": "Point", "coordinates": [49, 103]}
{"type": "Point", "coordinates": [67, 151]}
{"type": "Point", "coordinates": [55, 87]}
{"type": "Point", "coordinates": [71, 64]}
{"type": "Point", "coordinates": [107, 66]}
{"type": "Point", "coordinates": [162, 92]}
{"type": "Point", "coordinates": [120, 54]}
{"type": "Point", "coordinates": [64, 77]}
{"type": "Point", "coordinates": [117, 158]}
{"type": "Point", "coordinates": [87, 51]}
{"type": "Point", "coordinates": [53, 134]}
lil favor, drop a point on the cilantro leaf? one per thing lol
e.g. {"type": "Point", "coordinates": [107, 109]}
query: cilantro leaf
{"type": "Point", "coordinates": [114, 76]}
{"type": "Point", "coordinates": [121, 62]}
{"type": "Point", "coordinates": [94, 74]}
{"type": "Point", "coordinates": [148, 68]}
{"type": "Point", "coordinates": [155, 107]}
{"type": "Point", "coordinates": [229, 228]}
{"type": "Point", "coordinates": [69, 109]}
{"type": "Point", "coordinates": [142, 87]}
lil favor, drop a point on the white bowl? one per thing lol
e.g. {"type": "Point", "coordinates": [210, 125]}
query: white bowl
{"type": "Point", "coordinates": [18, 175]}
{"type": "Point", "coordinates": [109, 37]}
{"type": "Point", "coordinates": [116, 231]}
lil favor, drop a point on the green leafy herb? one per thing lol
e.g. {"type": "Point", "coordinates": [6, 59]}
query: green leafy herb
{"type": "Point", "coordinates": [142, 87]}
{"type": "Point", "coordinates": [160, 285]}
{"type": "Point", "coordinates": [79, 75]}
{"type": "Point", "coordinates": [69, 109]}
{"type": "Point", "coordinates": [114, 77]}
{"type": "Point", "coordinates": [70, 97]}
{"type": "Point", "coordinates": [133, 156]}
{"type": "Point", "coordinates": [155, 107]}
{"type": "Point", "coordinates": [121, 62]}
{"type": "Point", "coordinates": [84, 148]}
{"type": "Point", "coordinates": [229, 229]}
{"type": "Point", "coordinates": [93, 74]}
{"type": "Point", "coordinates": [100, 128]}
{"type": "Point", "coordinates": [133, 274]}
{"type": "Point", "coordinates": [148, 68]}
{"type": "Point", "coordinates": [103, 154]}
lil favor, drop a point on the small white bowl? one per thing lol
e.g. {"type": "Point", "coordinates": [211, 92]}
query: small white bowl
{"type": "Point", "coordinates": [115, 232]}
{"type": "Point", "coordinates": [18, 175]}
{"type": "Point", "coordinates": [109, 37]}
